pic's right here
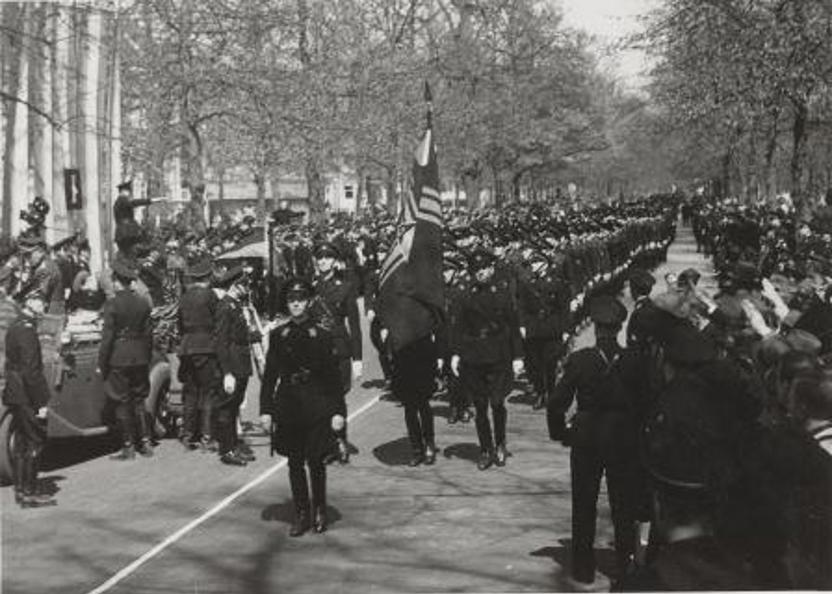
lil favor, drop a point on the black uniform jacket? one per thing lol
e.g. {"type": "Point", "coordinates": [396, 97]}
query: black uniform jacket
{"type": "Point", "coordinates": [338, 300]}
{"type": "Point", "coordinates": [302, 358]}
{"type": "Point", "coordinates": [126, 340]}
{"type": "Point", "coordinates": [607, 408]}
{"type": "Point", "coordinates": [233, 338]}
{"type": "Point", "coordinates": [197, 321]}
{"type": "Point", "coordinates": [541, 308]}
{"type": "Point", "coordinates": [486, 329]}
{"type": "Point", "coordinates": [25, 382]}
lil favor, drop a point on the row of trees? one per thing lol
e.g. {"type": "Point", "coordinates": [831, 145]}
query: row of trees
{"type": "Point", "coordinates": [307, 86]}
{"type": "Point", "coordinates": [742, 90]}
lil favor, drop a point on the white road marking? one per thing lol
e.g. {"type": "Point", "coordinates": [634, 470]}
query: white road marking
{"type": "Point", "coordinates": [132, 567]}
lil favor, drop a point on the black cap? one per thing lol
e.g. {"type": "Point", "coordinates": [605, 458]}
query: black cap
{"type": "Point", "coordinates": [230, 276]}
{"type": "Point", "coordinates": [641, 281]}
{"type": "Point", "coordinates": [607, 310]}
{"type": "Point", "coordinates": [298, 288]}
{"type": "Point", "coordinates": [689, 275]}
{"type": "Point", "coordinates": [200, 268]}
{"type": "Point", "coordinates": [125, 186]}
{"type": "Point", "coordinates": [326, 249]}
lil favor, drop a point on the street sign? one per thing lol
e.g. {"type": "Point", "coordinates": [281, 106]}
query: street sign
{"type": "Point", "coordinates": [72, 189]}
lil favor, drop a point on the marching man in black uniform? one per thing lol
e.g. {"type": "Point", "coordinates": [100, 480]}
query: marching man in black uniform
{"type": "Point", "coordinates": [27, 394]}
{"type": "Point", "coordinates": [234, 353]}
{"type": "Point", "coordinates": [307, 406]}
{"type": "Point", "coordinates": [336, 307]}
{"type": "Point", "coordinates": [128, 232]}
{"type": "Point", "coordinates": [603, 437]}
{"type": "Point", "coordinates": [487, 350]}
{"type": "Point", "coordinates": [199, 368]}
{"type": "Point", "coordinates": [124, 360]}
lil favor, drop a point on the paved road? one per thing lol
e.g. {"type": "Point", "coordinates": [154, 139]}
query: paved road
{"type": "Point", "coordinates": [188, 524]}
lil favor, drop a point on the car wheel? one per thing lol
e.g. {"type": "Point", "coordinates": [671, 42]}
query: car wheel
{"type": "Point", "coordinates": [9, 440]}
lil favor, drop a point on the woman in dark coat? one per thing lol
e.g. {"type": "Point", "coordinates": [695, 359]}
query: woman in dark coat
{"type": "Point", "coordinates": [308, 405]}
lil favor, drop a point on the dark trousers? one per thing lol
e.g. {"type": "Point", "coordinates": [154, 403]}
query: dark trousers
{"type": "Point", "coordinates": [500, 414]}
{"type": "Point", "coordinates": [414, 369]}
{"type": "Point", "coordinates": [226, 417]}
{"type": "Point", "coordinates": [300, 485]}
{"type": "Point", "coordinates": [587, 466]}
{"type": "Point", "coordinates": [129, 386]}
{"type": "Point", "coordinates": [542, 356]}
{"type": "Point", "coordinates": [201, 381]}
{"type": "Point", "coordinates": [31, 437]}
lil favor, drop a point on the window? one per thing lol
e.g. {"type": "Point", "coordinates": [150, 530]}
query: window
{"type": "Point", "coordinates": [348, 193]}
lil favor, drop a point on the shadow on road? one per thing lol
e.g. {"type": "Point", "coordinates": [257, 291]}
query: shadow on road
{"type": "Point", "coordinates": [60, 453]}
{"type": "Point", "coordinates": [285, 513]}
{"type": "Point", "coordinates": [562, 555]}
{"type": "Point", "coordinates": [442, 410]}
{"type": "Point", "coordinates": [523, 397]}
{"type": "Point", "coordinates": [465, 451]}
{"type": "Point", "coordinates": [394, 453]}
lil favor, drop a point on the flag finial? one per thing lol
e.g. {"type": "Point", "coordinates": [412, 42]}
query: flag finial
{"type": "Point", "coordinates": [428, 95]}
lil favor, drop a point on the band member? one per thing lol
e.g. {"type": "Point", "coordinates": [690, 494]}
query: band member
{"type": "Point", "coordinates": [124, 360]}
{"type": "Point", "coordinates": [199, 369]}
{"type": "Point", "coordinates": [26, 394]}
{"type": "Point", "coordinates": [308, 405]}
{"type": "Point", "coordinates": [234, 340]}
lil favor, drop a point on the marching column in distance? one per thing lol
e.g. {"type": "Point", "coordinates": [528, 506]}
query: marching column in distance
{"type": "Point", "coordinates": [26, 393]}
{"type": "Point", "coordinates": [487, 353]}
{"type": "Point", "coordinates": [124, 360]}
{"type": "Point", "coordinates": [307, 406]}
{"type": "Point", "coordinates": [199, 369]}
{"type": "Point", "coordinates": [603, 438]}
{"type": "Point", "coordinates": [234, 339]}
{"type": "Point", "coordinates": [336, 307]}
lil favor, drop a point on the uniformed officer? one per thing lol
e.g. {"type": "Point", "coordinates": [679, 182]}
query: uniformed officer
{"type": "Point", "coordinates": [308, 405]}
{"type": "Point", "coordinates": [641, 284]}
{"type": "Point", "coordinates": [124, 360]}
{"type": "Point", "coordinates": [199, 369]}
{"type": "Point", "coordinates": [487, 348]}
{"type": "Point", "coordinates": [42, 274]}
{"type": "Point", "coordinates": [234, 339]}
{"type": "Point", "coordinates": [128, 232]}
{"type": "Point", "coordinates": [603, 437]}
{"type": "Point", "coordinates": [26, 393]}
{"type": "Point", "coordinates": [544, 319]}
{"type": "Point", "coordinates": [335, 305]}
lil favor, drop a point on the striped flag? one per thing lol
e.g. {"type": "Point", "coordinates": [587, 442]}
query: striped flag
{"type": "Point", "coordinates": [411, 287]}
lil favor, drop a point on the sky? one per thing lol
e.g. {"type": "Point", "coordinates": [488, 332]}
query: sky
{"type": "Point", "coordinates": [609, 21]}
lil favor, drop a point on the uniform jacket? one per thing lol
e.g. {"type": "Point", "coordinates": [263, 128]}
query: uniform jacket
{"type": "Point", "coordinates": [25, 381]}
{"type": "Point", "coordinates": [302, 363]}
{"type": "Point", "coordinates": [337, 301]}
{"type": "Point", "coordinates": [198, 321]}
{"type": "Point", "coordinates": [126, 339]}
{"type": "Point", "coordinates": [233, 338]}
{"type": "Point", "coordinates": [636, 332]}
{"type": "Point", "coordinates": [542, 310]}
{"type": "Point", "coordinates": [486, 328]}
{"type": "Point", "coordinates": [46, 279]}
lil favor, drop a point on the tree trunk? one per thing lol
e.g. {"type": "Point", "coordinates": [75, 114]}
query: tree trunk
{"type": "Point", "coordinates": [315, 190]}
{"type": "Point", "coordinates": [798, 160]}
{"type": "Point", "coordinates": [260, 183]}
{"type": "Point", "coordinates": [92, 67]}
{"type": "Point", "coordinates": [60, 32]}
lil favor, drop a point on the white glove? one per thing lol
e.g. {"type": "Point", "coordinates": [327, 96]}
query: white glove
{"type": "Point", "coordinates": [42, 411]}
{"type": "Point", "coordinates": [337, 422]}
{"type": "Point", "coordinates": [440, 364]}
{"type": "Point", "coordinates": [573, 305]}
{"type": "Point", "coordinates": [229, 383]}
{"type": "Point", "coordinates": [357, 369]}
{"type": "Point", "coordinates": [266, 420]}
{"type": "Point", "coordinates": [384, 333]}
{"type": "Point", "coordinates": [523, 332]}
{"type": "Point", "coordinates": [755, 318]}
{"type": "Point", "coordinates": [517, 366]}
{"type": "Point", "coordinates": [455, 365]}
{"type": "Point", "coordinates": [770, 293]}
{"type": "Point", "coordinates": [370, 315]}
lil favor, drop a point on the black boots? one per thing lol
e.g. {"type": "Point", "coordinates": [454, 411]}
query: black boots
{"type": "Point", "coordinates": [500, 455]}
{"type": "Point", "coordinates": [127, 452]}
{"type": "Point", "coordinates": [486, 459]}
{"type": "Point", "coordinates": [26, 491]}
{"type": "Point", "coordinates": [301, 524]}
{"type": "Point", "coordinates": [540, 402]}
{"type": "Point", "coordinates": [319, 525]}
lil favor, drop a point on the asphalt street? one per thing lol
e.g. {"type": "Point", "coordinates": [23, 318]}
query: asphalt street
{"type": "Point", "coordinates": [181, 522]}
